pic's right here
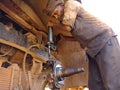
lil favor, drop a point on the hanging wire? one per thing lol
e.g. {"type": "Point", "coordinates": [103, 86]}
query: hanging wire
{"type": "Point", "coordinates": [24, 61]}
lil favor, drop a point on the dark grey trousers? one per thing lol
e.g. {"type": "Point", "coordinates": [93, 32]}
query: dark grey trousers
{"type": "Point", "coordinates": [104, 68]}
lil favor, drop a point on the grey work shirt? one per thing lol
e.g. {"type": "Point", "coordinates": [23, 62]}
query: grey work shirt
{"type": "Point", "coordinates": [87, 29]}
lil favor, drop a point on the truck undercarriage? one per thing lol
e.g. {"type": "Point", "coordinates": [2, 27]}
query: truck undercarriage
{"type": "Point", "coordinates": [25, 63]}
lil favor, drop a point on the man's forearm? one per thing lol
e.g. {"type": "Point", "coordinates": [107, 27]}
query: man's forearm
{"type": "Point", "coordinates": [63, 27]}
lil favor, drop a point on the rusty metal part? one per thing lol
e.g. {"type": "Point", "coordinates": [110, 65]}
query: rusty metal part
{"type": "Point", "coordinates": [19, 16]}
{"type": "Point", "coordinates": [6, 78]}
{"type": "Point", "coordinates": [30, 12]}
{"type": "Point", "coordinates": [73, 56]}
{"type": "Point", "coordinates": [41, 81]}
{"type": "Point", "coordinates": [17, 8]}
{"type": "Point", "coordinates": [38, 58]}
{"type": "Point", "coordinates": [12, 35]}
{"type": "Point", "coordinates": [69, 72]}
{"type": "Point", "coordinates": [6, 50]}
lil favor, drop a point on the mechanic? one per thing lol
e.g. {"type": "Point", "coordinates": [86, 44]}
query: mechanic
{"type": "Point", "coordinates": [97, 38]}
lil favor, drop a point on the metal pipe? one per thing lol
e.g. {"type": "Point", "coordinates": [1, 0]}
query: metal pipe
{"type": "Point", "coordinates": [50, 31]}
{"type": "Point", "coordinates": [70, 71]}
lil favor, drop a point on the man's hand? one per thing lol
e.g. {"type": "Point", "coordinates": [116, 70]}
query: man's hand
{"type": "Point", "coordinates": [50, 23]}
{"type": "Point", "coordinates": [60, 26]}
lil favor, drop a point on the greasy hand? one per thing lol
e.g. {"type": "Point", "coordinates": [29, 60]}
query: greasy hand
{"type": "Point", "coordinates": [50, 23]}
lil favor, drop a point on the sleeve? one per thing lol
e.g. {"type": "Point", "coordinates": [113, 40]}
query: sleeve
{"type": "Point", "coordinates": [71, 9]}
